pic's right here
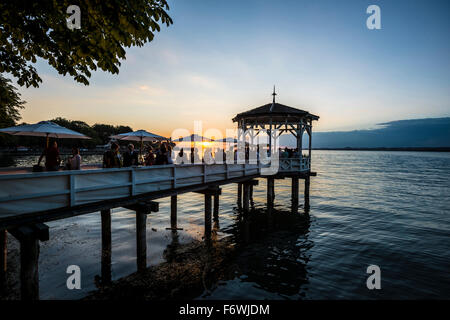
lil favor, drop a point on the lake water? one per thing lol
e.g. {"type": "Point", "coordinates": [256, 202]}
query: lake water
{"type": "Point", "coordinates": [390, 209]}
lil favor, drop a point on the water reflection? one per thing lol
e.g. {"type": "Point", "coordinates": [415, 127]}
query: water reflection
{"type": "Point", "coordinates": [170, 254]}
{"type": "Point", "coordinates": [271, 255]}
{"type": "Point", "coordinates": [366, 208]}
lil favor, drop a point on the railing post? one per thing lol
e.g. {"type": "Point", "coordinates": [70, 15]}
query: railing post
{"type": "Point", "coordinates": [174, 172]}
{"type": "Point", "coordinates": [132, 181]}
{"type": "Point", "coordinates": [72, 189]}
{"type": "Point", "coordinates": [227, 169]}
{"type": "Point", "coordinates": [204, 173]}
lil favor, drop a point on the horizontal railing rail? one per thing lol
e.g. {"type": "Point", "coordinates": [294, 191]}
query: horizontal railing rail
{"type": "Point", "coordinates": [39, 191]}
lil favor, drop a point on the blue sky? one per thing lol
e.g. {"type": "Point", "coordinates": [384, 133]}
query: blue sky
{"type": "Point", "coordinates": [223, 57]}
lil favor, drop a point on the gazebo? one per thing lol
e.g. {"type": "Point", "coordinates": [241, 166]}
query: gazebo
{"type": "Point", "coordinates": [275, 119]}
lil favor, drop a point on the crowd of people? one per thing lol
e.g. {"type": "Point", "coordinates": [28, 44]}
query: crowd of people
{"type": "Point", "coordinates": [154, 155]}
{"type": "Point", "coordinates": [158, 154]}
{"type": "Point", "coordinates": [289, 153]}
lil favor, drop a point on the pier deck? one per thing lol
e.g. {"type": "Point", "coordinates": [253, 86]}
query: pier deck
{"type": "Point", "coordinates": [29, 199]}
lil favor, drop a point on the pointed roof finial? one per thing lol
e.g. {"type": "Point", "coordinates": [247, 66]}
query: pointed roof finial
{"type": "Point", "coordinates": [273, 102]}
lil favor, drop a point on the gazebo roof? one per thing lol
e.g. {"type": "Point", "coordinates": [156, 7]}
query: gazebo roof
{"type": "Point", "coordinates": [276, 112]}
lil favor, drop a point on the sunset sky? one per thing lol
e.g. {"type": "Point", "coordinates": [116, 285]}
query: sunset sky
{"type": "Point", "coordinates": [220, 58]}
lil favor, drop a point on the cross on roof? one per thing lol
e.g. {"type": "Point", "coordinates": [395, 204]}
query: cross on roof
{"type": "Point", "coordinates": [273, 102]}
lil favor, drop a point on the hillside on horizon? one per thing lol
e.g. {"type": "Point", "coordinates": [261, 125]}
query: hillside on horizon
{"type": "Point", "coordinates": [428, 132]}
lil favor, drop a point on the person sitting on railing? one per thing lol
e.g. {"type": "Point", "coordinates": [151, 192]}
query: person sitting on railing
{"type": "Point", "coordinates": [52, 158]}
{"type": "Point", "coordinates": [74, 161]}
{"type": "Point", "coordinates": [112, 158]}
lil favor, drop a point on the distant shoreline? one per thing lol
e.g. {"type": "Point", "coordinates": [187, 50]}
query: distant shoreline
{"type": "Point", "coordinates": [422, 149]}
{"type": "Point", "coordinates": [100, 152]}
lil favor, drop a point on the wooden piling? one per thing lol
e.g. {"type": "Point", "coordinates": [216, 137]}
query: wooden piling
{"type": "Point", "coordinates": [141, 240]}
{"type": "Point", "coordinates": [216, 207]}
{"type": "Point", "coordinates": [173, 213]}
{"type": "Point", "coordinates": [246, 197]}
{"type": "Point", "coordinates": [252, 202]}
{"type": "Point", "coordinates": [106, 246]}
{"type": "Point", "coordinates": [3, 259]}
{"type": "Point", "coordinates": [307, 185]}
{"type": "Point", "coordinates": [294, 194]}
{"type": "Point", "coordinates": [270, 192]}
{"type": "Point", "coordinates": [207, 217]}
{"type": "Point", "coordinates": [239, 195]}
{"type": "Point", "coordinates": [29, 237]}
{"type": "Point", "coordinates": [142, 209]}
{"type": "Point", "coordinates": [29, 273]}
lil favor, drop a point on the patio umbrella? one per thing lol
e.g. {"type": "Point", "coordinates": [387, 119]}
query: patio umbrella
{"type": "Point", "coordinates": [229, 140]}
{"type": "Point", "coordinates": [194, 138]}
{"type": "Point", "coordinates": [139, 135]}
{"type": "Point", "coordinates": [46, 129]}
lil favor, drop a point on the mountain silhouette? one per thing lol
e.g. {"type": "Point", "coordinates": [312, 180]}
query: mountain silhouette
{"type": "Point", "coordinates": [427, 133]}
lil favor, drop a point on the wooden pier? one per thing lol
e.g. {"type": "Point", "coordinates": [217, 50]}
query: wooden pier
{"type": "Point", "coordinates": [28, 200]}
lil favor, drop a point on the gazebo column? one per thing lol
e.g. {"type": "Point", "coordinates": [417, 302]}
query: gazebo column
{"type": "Point", "coordinates": [300, 140]}
{"type": "Point", "coordinates": [310, 141]}
{"type": "Point", "coordinates": [270, 138]}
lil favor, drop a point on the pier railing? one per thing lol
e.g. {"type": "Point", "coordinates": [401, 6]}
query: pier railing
{"type": "Point", "coordinates": [39, 191]}
{"type": "Point", "coordinates": [294, 164]}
